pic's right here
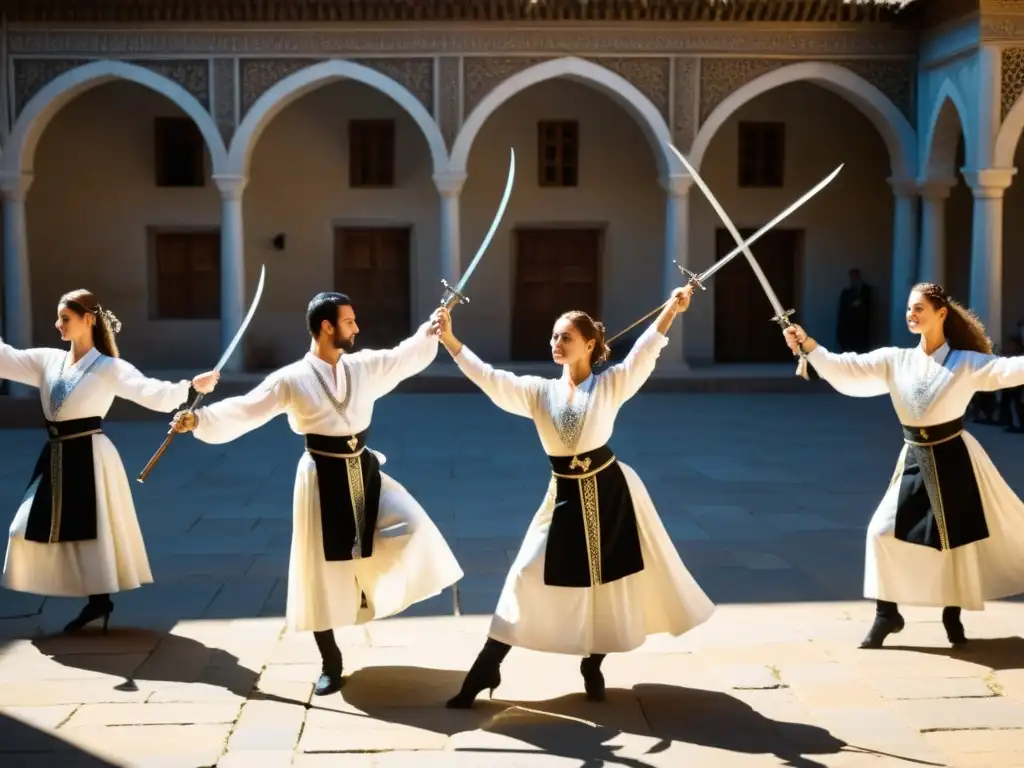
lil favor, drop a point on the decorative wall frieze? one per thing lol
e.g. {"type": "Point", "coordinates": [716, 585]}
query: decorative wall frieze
{"type": "Point", "coordinates": [722, 77]}
{"type": "Point", "coordinates": [650, 75]}
{"type": "Point", "coordinates": [325, 41]}
{"type": "Point", "coordinates": [31, 75]}
{"type": "Point", "coordinates": [1002, 28]}
{"type": "Point", "coordinates": [1012, 85]}
{"type": "Point", "coordinates": [259, 75]}
{"type": "Point", "coordinates": [448, 112]}
{"type": "Point", "coordinates": [685, 101]}
{"type": "Point", "coordinates": [482, 74]}
{"type": "Point", "coordinates": [224, 87]}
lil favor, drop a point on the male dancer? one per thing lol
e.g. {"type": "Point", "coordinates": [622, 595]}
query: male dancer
{"type": "Point", "coordinates": [362, 547]}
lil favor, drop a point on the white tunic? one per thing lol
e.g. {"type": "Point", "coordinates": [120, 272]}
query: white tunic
{"type": "Point", "coordinates": [611, 617]}
{"type": "Point", "coordinates": [927, 390]}
{"type": "Point", "coordinates": [411, 560]}
{"type": "Point", "coordinates": [116, 559]}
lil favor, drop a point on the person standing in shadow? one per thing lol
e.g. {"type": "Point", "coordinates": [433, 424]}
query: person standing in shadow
{"type": "Point", "coordinates": [853, 327]}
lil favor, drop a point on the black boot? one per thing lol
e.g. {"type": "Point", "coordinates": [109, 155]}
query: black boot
{"type": "Point", "coordinates": [330, 680]}
{"type": "Point", "coordinates": [954, 627]}
{"type": "Point", "coordinates": [593, 679]}
{"type": "Point", "coordinates": [98, 607]}
{"type": "Point", "coordinates": [485, 673]}
{"type": "Point", "coordinates": [887, 622]}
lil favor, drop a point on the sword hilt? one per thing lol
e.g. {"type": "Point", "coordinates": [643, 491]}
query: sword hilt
{"type": "Point", "coordinates": [784, 322]}
{"type": "Point", "coordinates": [691, 278]}
{"type": "Point", "coordinates": [783, 318]}
{"type": "Point", "coordinates": [452, 296]}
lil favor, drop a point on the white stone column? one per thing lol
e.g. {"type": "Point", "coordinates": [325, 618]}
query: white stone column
{"type": "Point", "coordinates": [986, 298]}
{"type": "Point", "coordinates": [932, 264]}
{"type": "Point", "coordinates": [904, 251]}
{"type": "Point", "coordinates": [232, 264]}
{"type": "Point", "coordinates": [17, 286]}
{"type": "Point", "coordinates": [449, 185]}
{"type": "Point", "coordinates": [677, 248]}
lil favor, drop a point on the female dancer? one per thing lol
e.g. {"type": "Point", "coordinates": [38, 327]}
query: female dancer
{"type": "Point", "coordinates": [75, 533]}
{"type": "Point", "coordinates": [597, 571]}
{"type": "Point", "coordinates": [949, 531]}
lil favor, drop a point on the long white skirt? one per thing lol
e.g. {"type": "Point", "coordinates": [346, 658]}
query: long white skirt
{"type": "Point", "coordinates": [112, 562]}
{"type": "Point", "coordinates": [967, 576]}
{"type": "Point", "coordinates": [609, 618]}
{"type": "Point", "coordinates": [411, 561]}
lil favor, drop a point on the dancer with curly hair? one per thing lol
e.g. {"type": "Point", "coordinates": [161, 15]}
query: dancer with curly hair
{"type": "Point", "coordinates": [949, 531]}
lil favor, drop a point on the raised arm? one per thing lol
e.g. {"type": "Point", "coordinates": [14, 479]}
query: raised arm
{"type": "Point", "coordinates": [990, 372]}
{"type": "Point", "coordinates": [235, 416]}
{"type": "Point", "coordinates": [389, 367]}
{"type": "Point", "coordinates": [849, 374]}
{"type": "Point", "coordinates": [24, 366]}
{"type": "Point", "coordinates": [515, 394]}
{"type": "Point", "coordinates": [157, 395]}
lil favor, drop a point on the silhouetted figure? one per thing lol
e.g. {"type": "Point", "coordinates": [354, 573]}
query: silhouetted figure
{"type": "Point", "coordinates": [853, 328]}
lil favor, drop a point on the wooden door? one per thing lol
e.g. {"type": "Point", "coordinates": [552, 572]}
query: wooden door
{"type": "Point", "coordinates": [371, 266]}
{"type": "Point", "coordinates": [744, 331]}
{"type": "Point", "coordinates": [556, 270]}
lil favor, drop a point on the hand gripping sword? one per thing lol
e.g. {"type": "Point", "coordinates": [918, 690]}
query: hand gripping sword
{"type": "Point", "coordinates": [453, 294]}
{"type": "Point", "coordinates": [698, 280]}
{"type": "Point", "coordinates": [220, 364]}
{"type": "Point", "coordinates": [781, 315]}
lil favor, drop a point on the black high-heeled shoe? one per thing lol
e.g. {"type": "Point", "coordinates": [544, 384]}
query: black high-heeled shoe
{"type": "Point", "coordinates": [479, 677]}
{"type": "Point", "coordinates": [881, 629]}
{"type": "Point", "coordinates": [954, 627]}
{"type": "Point", "coordinates": [93, 611]}
{"type": "Point", "coordinates": [593, 678]}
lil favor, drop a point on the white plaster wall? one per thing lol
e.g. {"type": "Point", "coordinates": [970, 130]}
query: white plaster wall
{"type": "Point", "coordinates": [87, 215]}
{"type": "Point", "coordinates": [618, 190]}
{"type": "Point", "coordinates": [299, 186]}
{"type": "Point", "coordinates": [848, 224]}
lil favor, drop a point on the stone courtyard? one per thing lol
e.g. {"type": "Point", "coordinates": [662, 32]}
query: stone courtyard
{"type": "Point", "coordinates": [767, 498]}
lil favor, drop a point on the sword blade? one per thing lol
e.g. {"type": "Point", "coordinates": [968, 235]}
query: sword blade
{"type": "Point", "coordinates": [770, 225]}
{"type": "Point", "coordinates": [494, 224]}
{"type": "Point", "coordinates": [245, 323]}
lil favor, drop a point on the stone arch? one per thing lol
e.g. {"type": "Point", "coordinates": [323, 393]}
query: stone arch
{"type": "Point", "coordinates": [651, 121]}
{"type": "Point", "coordinates": [895, 129]}
{"type": "Point", "coordinates": [1009, 136]}
{"type": "Point", "coordinates": [296, 85]}
{"type": "Point", "coordinates": [945, 124]}
{"type": "Point", "coordinates": [41, 109]}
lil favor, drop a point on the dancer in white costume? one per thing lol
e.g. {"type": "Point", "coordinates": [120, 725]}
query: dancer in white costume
{"type": "Point", "coordinates": [597, 572]}
{"type": "Point", "coordinates": [75, 533]}
{"type": "Point", "coordinates": [362, 547]}
{"type": "Point", "coordinates": [949, 531]}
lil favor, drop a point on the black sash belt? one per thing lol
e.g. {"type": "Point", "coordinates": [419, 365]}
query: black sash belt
{"type": "Point", "coordinates": [593, 538]}
{"type": "Point", "coordinates": [64, 504]}
{"type": "Point", "coordinates": [939, 504]}
{"type": "Point", "coordinates": [348, 477]}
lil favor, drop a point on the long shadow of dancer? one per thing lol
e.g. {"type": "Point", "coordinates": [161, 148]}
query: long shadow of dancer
{"type": "Point", "coordinates": [996, 653]}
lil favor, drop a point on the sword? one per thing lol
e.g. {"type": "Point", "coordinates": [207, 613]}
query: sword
{"type": "Point", "coordinates": [453, 294]}
{"type": "Point", "coordinates": [781, 315]}
{"type": "Point", "coordinates": [220, 364]}
{"type": "Point", "coordinates": [698, 280]}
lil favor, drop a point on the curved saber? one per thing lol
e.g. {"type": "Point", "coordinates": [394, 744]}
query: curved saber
{"type": "Point", "coordinates": [781, 314]}
{"type": "Point", "coordinates": [454, 295]}
{"type": "Point", "coordinates": [220, 364]}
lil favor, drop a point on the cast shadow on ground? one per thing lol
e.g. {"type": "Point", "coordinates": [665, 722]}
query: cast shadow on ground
{"type": "Point", "coordinates": [572, 727]}
{"type": "Point", "coordinates": [147, 655]}
{"type": "Point", "coordinates": [24, 746]}
{"type": "Point", "coordinates": [996, 653]}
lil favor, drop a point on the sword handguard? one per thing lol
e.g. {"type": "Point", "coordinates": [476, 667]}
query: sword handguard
{"type": "Point", "coordinates": [783, 319]}
{"type": "Point", "coordinates": [784, 322]}
{"type": "Point", "coordinates": [452, 296]}
{"type": "Point", "coordinates": [691, 277]}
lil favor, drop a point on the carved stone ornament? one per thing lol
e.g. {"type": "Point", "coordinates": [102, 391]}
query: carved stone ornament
{"type": "Point", "coordinates": [482, 74]}
{"type": "Point", "coordinates": [1012, 79]}
{"type": "Point", "coordinates": [686, 82]}
{"type": "Point", "coordinates": [722, 77]}
{"type": "Point", "coordinates": [449, 97]}
{"type": "Point", "coordinates": [224, 97]}
{"type": "Point", "coordinates": [651, 76]}
{"type": "Point", "coordinates": [259, 75]}
{"type": "Point", "coordinates": [546, 41]}
{"type": "Point", "coordinates": [32, 75]}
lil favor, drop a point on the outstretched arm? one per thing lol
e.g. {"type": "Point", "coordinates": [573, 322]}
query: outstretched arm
{"type": "Point", "coordinates": [990, 372]}
{"type": "Point", "coordinates": [157, 395]}
{"type": "Point", "coordinates": [235, 416]}
{"type": "Point", "coordinates": [24, 366]}
{"type": "Point", "coordinates": [389, 367]}
{"type": "Point", "coordinates": [849, 374]}
{"type": "Point", "coordinates": [515, 394]}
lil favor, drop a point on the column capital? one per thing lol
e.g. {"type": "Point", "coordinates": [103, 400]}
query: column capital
{"type": "Point", "coordinates": [936, 189]}
{"type": "Point", "coordinates": [989, 182]}
{"type": "Point", "coordinates": [904, 187]}
{"type": "Point", "coordinates": [15, 186]}
{"type": "Point", "coordinates": [230, 185]}
{"type": "Point", "coordinates": [450, 183]}
{"type": "Point", "coordinates": [677, 185]}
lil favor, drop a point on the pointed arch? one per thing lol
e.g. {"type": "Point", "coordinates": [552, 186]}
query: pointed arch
{"type": "Point", "coordinates": [651, 121]}
{"type": "Point", "coordinates": [894, 128]}
{"type": "Point", "coordinates": [19, 153]}
{"type": "Point", "coordinates": [1009, 136]}
{"type": "Point", "coordinates": [946, 123]}
{"type": "Point", "coordinates": [296, 85]}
